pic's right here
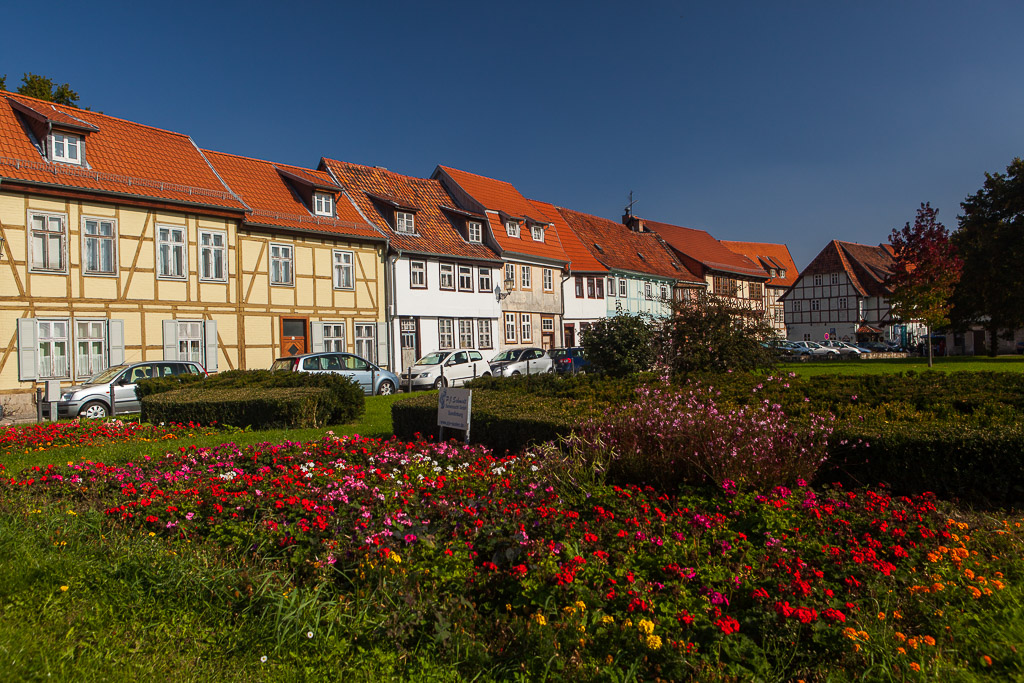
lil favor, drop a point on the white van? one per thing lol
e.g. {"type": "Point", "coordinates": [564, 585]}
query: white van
{"type": "Point", "coordinates": [445, 369]}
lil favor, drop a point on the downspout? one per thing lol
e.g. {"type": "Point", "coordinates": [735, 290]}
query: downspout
{"type": "Point", "coordinates": [568, 270]}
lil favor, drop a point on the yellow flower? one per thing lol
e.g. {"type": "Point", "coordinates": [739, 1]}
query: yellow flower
{"type": "Point", "coordinates": [653, 642]}
{"type": "Point", "coordinates": [607, 619]}
{"type": "Point", "coordinates": [627, 623]}
{"type": "Point", "coordinates": [609, 659]}
{"type": "Point", "coordinates": [581, 606]}
{"type": "Point", "coordinates": [64, 588]}
{"type": "Point", "coordinates": [396, 558]}
{"type": "Point", "coordinates": [539, 618]}
{"type": "Point", "coordinates": [646, 627]}
{"type": "Point", "coordinates": [508, 607]}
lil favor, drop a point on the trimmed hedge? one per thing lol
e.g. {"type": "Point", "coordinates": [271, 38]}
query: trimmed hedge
{"type": "Point", "coordinates": [290, 399]}
{"type": "Point", "coordinates": [159, 385]}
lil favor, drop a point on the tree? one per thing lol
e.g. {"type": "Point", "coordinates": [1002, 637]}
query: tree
{"type": "Point", "coordinates": [715, 334]}
{"type": "Point", "coordinates": [925, 273]}
{"type": "Point", "coordinates": [3, 82]}
{"type": "Point", "coordinates": [622, 344]}
{"type": "Point", "coordinates": [43, 88]}
{"type": "Point", "coordinates": [990, 240]}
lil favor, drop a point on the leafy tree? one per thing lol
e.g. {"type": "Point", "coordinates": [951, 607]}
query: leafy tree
{"type": "Point", "coordinates": [925, 272]}
{"type": "Point", "coordinates": [716, 334]}
{"type": "Point", "coordinates": [990, 239]}
{"type": "Point", "coordinates": [44, 88]}
{"type": "Point", "coordinates": [3, 82]}
{"type": "Point", "coordinates": [622, 344]}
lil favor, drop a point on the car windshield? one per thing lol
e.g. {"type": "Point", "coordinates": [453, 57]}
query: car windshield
{"type": "Point", "coordinates": [558, 353]}
{"type": "Point", "coordinates": [435, 358]}
{"type": "Point", "coordinates": [509, 355]}
{"type": "Point", "coordinates": [107, 376]}
{"type": "Point", "coordinates": [282, 364]}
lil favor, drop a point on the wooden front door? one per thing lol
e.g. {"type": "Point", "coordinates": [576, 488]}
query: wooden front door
{"type": "Point", "coordinates": [410, 336]}
{"type": "Point", "coordinates": [570, 334]}
{"type": "Point", "coordinates": [293, 336]}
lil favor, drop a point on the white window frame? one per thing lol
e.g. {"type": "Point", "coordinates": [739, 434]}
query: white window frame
{"type": "Point", "coordinates": [405, 222]}
{"type": "Point", "coordinates": [611, 288]}
{"type": "Point", "coordinates": [418, 274]}
{"type": "Point", "coordinates": [537, 233]}
{"type": "Point", "coordinates": [510, 328]}
{"type": "Point", "coordinates": [66, 142]}
{"type": "Point", "coordinates": [547, 324]}
{"type": "Point", "coordinates": [512, 228]}
{"type": "Point", "coordinates": [344, 275]}
{"type": "Point", "coordinates": [817, 280]}
{"type": "Point", "coordinates": [99, 240]}
{"type": "Point", "coordinates": [510, 274]}
{"type": "Point", "coordinates": [446, 274]}
{"type": "Point", "coordinates": [548, 280]}
{"type": "Point", "coordinates": [190, 340]}
{"type": "Point", "coordinates": [466, 333]}
{"type": "Point", "coordinates": [834, 279]}
{"type": "Point", "coordinates": [465, 275]}
{"type": "Point", "coordinates": [484, 280]}
{"type": "Point", "coordinates": [663, 291]}
{"type": "Point", "coordinates": [365, 338]}
{"type": "Point", "coordinates": [46, 233]}
{"type": "Point", "coordinates": [95, 363]}
{"type": "Point", "coordinates": [648, 291]}
{"type": "Point", "coordinates": [525, 327]}
{"type": "Point", "coordinates": [475, 231]}
{"type": "Point", "coordinates": [53, 370]}
{"type": "Point", "coordinates": [815, 304]}
{"type": "Point", "coordinates": [798, 306]}
{"type": "Point", "coordinates": [483, 330]}
{"type": "Point", "coordinates": [323, 204]}
{"type": "Point", "coordinates": [445, 333]}
{"type": "Point", "coordinates": [843, 303]}
{"type": "Point", "coordinates": [167, 271]}
{"type": "Point", "coordinates": [526, 277]}
{"type": "Point", "coordinates": [218, 253]}
{"type": "Point", "coordinates": [282, 264]}
{"type": "Point", "coordinates": [333, 335]}
{"type": "Point", "coordinates": [623, 287]}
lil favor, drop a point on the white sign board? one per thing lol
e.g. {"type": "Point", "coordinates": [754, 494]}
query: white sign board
{"type": "Point", "coordinates": [453, 407]}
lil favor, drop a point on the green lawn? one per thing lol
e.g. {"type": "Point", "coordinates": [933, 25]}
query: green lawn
{"type": "Point", "coordinates": [884, 366]}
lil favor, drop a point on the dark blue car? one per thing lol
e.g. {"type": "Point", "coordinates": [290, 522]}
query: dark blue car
{"type": "Point", "coordinates": [569, 361]}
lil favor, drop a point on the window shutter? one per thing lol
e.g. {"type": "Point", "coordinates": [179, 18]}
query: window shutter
{"type": "Point", "coordinates": [170, 339]}
{"type": "Point", "coordinates": [382, 345]}
{"type": "Point", "coordinates": [28, 350]}
{"type": "Point", "coordinates": [316, 337]}
{"type": "Point", "coordinates": [115, 342]}
{"type": "Point", "coordinates": [210, 340]}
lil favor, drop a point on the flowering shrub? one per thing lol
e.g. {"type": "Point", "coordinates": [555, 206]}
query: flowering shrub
{"type": "Point", "coordinates": [667, 437]}
{"type": "Point", "coordinates": [93, 433]}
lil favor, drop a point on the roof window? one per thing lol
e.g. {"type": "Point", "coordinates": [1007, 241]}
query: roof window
{"type": "Point", "coordinates": [405, 222]}
{"type": "Point", "coordinates": [323, 204]}
{"type": "Point", "coordinates": [537, 232]}
{"type": "Point", "coordinates": [66, 148]}
{"type": "Point", "coordinates": [512, 228]}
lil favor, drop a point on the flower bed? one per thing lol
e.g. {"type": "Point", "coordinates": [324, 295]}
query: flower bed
{"type": "Point", "coordinates": [492, 561]}
{"type": "Point", "coordinates": [76, 433]}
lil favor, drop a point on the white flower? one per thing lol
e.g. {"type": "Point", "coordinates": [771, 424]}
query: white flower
{"type": "Point", "coordinates": [263, 659]}
{"type": "Point", "coordinates": [309, 634]}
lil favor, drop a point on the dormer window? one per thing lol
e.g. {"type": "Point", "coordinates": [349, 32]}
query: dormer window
{"type": "Point", "coordinates": [66, 148]}
{"type": "Point", "coordinates": [323, 204]}
{"type": "Point", "coordinates": [405, 222]}
{"type": "Point", "coordinates": [512, 228]}
{"type": "Point", "coordinates": [475, 231]}
{"type": "Point", "coordinates": [782, 273]}
{"type": "Point", "coordinates": [537, 232]}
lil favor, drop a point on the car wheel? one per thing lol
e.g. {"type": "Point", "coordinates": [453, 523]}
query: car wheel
{"type": "Point", "coordinates": [386, 388]}
{"type": "Point", "coordinates": [94, 410]}
{"type": "Point", "coordinates": [515, 372]}
{"type": "Point", "coordinates": [440, 382]}
{"type": "Point", "coordinates": [486, 374]}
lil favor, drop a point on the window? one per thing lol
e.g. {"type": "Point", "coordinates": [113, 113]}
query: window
{"type": "Point", "coordinates": [835, 278]}
{"type": "Point", "coordinates": [366, 341]}
{"type": "Point", "coordinates": [405, 222]}
{"type": "Point", "coordinates": [798, 305]}
{"type": "Point", "coordinates": [510, 274]}
{"type": "Point", "coordinates": [590, 288]}
{"type": "Point", "coordinates": [465, 334]}
{"type": "Point", "coordinates": [323, 204]}
{"type": "Point", "coordinates": [485, 280]}
{"type": "Point", "coordinates": [579, 287]}
{"type": "Point", "coordinates": [525, 325]}
{"type": "Point", "coordinates": [407, 327]}
{"type": "Point", "coordinates": [344, 269]}
{"type": "Point", "coordinates": [842, 303]}
{"type": "Point", "coordinates": [447, 276]}
{"type": "Point", "coordinates": [170, 249]}
{"type": "Point", "coordinates": [510, 327]}
{"type": "Point", "coordinates": [547, 324]}
{"type": "Point", "coordinates": [475, 231]}
{"type": "Point", "coordinates": [780, 315]}
{"type": "Point", "coordinates": [47, 246]}
{"type": "Point", "coordinates": [817, 280]}
{"type": "Point", "coordinates": [483, 329]}
{"type": "Point", "coordinates": [98, 247]}
{"type": "Point", "coordinates": [611, 287]}
{"type": "Point", "coordinates": [648, 291]}
{"type": "Point", "coordinates": [465, 279]}
{"type": "Point", "coordinates": [281, 264]}
{"type": "Point", "coordinates": [526, 273]}
{"type": "Point", "coordinates": [600, 287]}
{"type": "Point", "coordinates": [190, 341]}
{"type": "Point", "coordinates": [53, 349]}
{"type": "Point", "coordinates": [549, 280]}
{"type": "Point", "coordinates": [755, 290]}
{"type": "Point", "coordinates": [66, 148]}
{"type": "Point", "coordinates": [771, 272]}
{"type": "Point", "coordinates": [664, 292]}
{"type": "Point", "coordinates": [815, 304]}
{"type": "Point", "coordinates": [417, 274]}
{"type": "Point", "coordinates": [622, 287]}
{"type": "Point", "coordinates": [90, 347]}
{"type": "Point", "coordinates": [512, 228]}
{"type": "Point", "coordinates": [445, 333]}
{"type": "Point", "coordinates": [537, 232]}
{"type": "Point", "coordinates": [212, 256]}
{"type": "Point", "coordinates": [334, 337]}
{"type": "Point", "coordinates": [782, 273]}
{"type": "Point", "coordinates": [807, 336]}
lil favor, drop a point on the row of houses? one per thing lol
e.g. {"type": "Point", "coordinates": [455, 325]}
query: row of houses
{"type": "Point", "coordinates": [122, 242]}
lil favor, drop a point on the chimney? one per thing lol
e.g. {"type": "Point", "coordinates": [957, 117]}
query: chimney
{"type": "Point", "coordinates": [634, 223]}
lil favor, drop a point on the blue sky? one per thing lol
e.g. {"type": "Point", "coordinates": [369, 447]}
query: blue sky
{"type": "Point", "coordinates": [783, 121]}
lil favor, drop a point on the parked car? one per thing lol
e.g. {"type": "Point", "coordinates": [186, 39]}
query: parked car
{"type": "Point", "coordinates": [1019, 348]}
{"type": "Point", "coordinates": [372, 378]}
{"type": "Point", "coordinates": [808, 349]}
{"type": "Point", "coordinates": [92, 397]}
{"type": "Point", "coordinates": [844, 348]}
{"type": "Point", "coordinates": [569, 361]}
{"type": "Point", "coordinates": [782, 348]}
{"type": "Point", "coordinates": [525, 361]}
{"type": "Point", "coordinates": [446, 368]}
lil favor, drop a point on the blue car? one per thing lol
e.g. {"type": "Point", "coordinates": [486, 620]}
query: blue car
{"type": "Point", "coordinates": [569, 361]}
{"type": "Point", "coordinates": [371, 377]}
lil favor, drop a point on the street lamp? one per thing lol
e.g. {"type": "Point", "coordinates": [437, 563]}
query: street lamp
{"type": "Point", "coordinates": [509, 282]}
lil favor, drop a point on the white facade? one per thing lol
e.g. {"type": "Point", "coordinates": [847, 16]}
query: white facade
{"type": "Point", "coordinates": [583, 311]}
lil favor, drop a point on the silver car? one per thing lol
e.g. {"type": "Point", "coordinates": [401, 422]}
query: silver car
{"type": "Point", "coordinates": [524, 361]}
{"type": "Point", "coordinates": [92, 398]}
{"type": "Point", "coordinates": [445, 368]}
{"type": "Point", "coordinates": [371, 377]}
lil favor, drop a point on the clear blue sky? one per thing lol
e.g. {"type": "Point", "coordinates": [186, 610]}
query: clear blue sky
{"type": "Point", "coordinates": [795, 122]}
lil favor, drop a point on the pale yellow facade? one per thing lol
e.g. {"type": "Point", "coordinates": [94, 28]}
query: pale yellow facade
{"type": "Point", "coordinates": [246, 308]}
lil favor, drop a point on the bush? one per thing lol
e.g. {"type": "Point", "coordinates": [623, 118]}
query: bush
{"type": "Point", "coordinates": [158, 385]}
{"type": "Point", "coordinates": [622, 344]}
{"type": "Point", "coordinates": [337, 399]}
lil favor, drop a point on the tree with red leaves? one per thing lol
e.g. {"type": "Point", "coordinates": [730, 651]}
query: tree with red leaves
{"type": "Point", "coordinates": [925, 272]}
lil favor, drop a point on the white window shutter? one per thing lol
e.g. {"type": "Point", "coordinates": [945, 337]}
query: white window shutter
{"type": "Point", "coordinates": [382, 345]}
{"type": "Point", "coordinates": [28, 350]}
{"type": "Point", "coordinates": [115, 342]}
{"type": "Point", "coordinates": [170, 339]}
{"type": "Point", "coordinates": [210, 340]}
{"type": "Point", "coordinates": [316, 337]}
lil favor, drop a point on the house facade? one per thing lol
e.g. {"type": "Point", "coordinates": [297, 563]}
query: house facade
{"type": "Point", "coordinates": [779, 267]}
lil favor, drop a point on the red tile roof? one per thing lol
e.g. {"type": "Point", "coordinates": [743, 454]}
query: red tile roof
{"type": "Point", "coordinates": [702, 247]}
{"type": "Point", "coordinates": [618, 247]}
{"type": "Point", "coordinates": [580, 258]}
{"type": "Point", "coordinates": [503, 198]}
{"type": "Point", "coordinates": [377, 192]}
{"type": "Point", "coordinates": [769, 255]}
{"type": "Point", "coordinates": [122, 158]}
{"type": "Point", "coordinates": [266, 191]}
{"type": "Point", "coordinates": [866, 266]}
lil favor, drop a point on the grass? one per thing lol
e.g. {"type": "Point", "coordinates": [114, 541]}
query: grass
{"type": "Point", "coordinates": [915, 364]}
